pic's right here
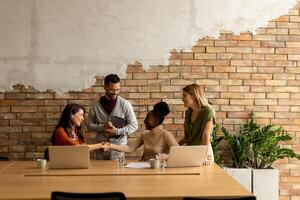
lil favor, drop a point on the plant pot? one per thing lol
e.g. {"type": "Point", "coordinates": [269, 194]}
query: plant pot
{"type": "Point", "coordinates": [241, 175]}
{"type": "Point", "coordinates": [265, 184]}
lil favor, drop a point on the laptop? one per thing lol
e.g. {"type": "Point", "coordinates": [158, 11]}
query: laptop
{"type": "Point", "coordinates": [69, 157]}
{"type": "Point", "coordinates": [186, 156]}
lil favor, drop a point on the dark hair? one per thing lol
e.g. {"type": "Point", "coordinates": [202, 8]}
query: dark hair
{"type": "Point", "coordinates": [65, 121]}
{"type": "Point", "coordinates": [111, 78]}
{"type": "Point", "coordinates": [160, 110]}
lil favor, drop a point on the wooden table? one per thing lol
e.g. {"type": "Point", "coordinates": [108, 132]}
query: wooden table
{"type": "Point", "coordinates": [23, 180]}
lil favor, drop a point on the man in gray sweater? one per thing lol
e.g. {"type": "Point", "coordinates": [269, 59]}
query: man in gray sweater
{"type": "Point", "coordinates": [112, 117]}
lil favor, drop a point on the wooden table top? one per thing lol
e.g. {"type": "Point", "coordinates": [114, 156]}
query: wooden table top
{"type": "Point", "coordinates": [23, 180]}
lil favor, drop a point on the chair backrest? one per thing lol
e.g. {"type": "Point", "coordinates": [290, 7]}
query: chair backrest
{"type": "Point", "coordinates": [4, 158]}
{"type": "Point", "coordinates": [87, 196]}
{"type": "Point", "coordinates": [222, 198]}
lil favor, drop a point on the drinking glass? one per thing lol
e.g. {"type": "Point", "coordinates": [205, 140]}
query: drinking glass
{"type": "Point", "coordinates": [162, 159]}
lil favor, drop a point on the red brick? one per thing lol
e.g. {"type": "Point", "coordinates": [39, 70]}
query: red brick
{"type": "Point", "coordinates": [287, 37]}
{"type": "Point", "coordinates": [72, 95]}
{"type": "Point", "coordinates": [34, 115]}
{"type": "Point", "coordinates": [168, 75]}
{"type": "Point", "coordinates": [159, 82]}
{"type": "Point", "coordinates": [180, 68]}
{"type": "Point", "coordinates": [287, 89]}
{"type": "Point", "coordinates": [135, 82]}
{"type": "Point", "coordinates": [24, 109]}
{"type": "Point", "coordinates": [49, 109]}
{"type": "Point", "coordinates": [55, 102]}
{"type": "Point", "coordinates": [238, 49]}
{"type": "Point", "coordinates": [7, 116]}
{"type": "Point", "coordinates": [148, 88]}
{"type": "Point", "coordinates": [201, 69]}
{"type": "Point", "coordinates": [240, 37]}
{"type": "Point", "coordinates": [246, 69]}
{"type": "Point", "coordinates": [181, 56]}
{"type": "Point", "coordinates": [224, 69]}
{"type": "Point", "coordinates": [216, 75]}
{"type": "Point", "coordinates": [134, 69]}
{"type": "Point", "coordinates": [39, 96]}
{"type": "Point", "coordinates": [241, 101]}
{"type": "Point", "coordinates": [278, 31]}
{"type": "Point", "coordinates": [265, 37]}
{"type": "Point", "coordinates": [9, 102]}
{"type": "Point", "coordinates": [215, 49]}
{"type": "Point", "coordinates": [25, 122]}
{"type": "Point", "coordinates": [242, 76]}
{"type": "Point", "coordinates": [284, 76]}
{"type": "Point", "coordinates": [205, 56]}
{"type": "Point", "coordinates": [165, 95]}
{"type": "Point", "coordinates": [254, 82]}
{"type": "Point", "coordinates": [192, 62]}
{"type": "Point", "coordinates": [150, 75]}
{"type": "Point", "coordinates": [241, 63]}
{"type": "Point", "coordinates": [252, 43]}
{"type": "Point", "coordinates": [228, 56]}
{"type": "Point", "coordinates": [261, 89]}
{"type": "Point", "coordinates": [170, 88]}
{"type": "Point", "coordinates": [252, 56]}
{"type": "Point", "coordinates": [34, 128]}
{"type": "Point", "coordinates": [266, 102]}
{"type": "Point", "coordinates": [4, 109]}
{"type": "Point", "coordinates": [279, 108]}
{"type": "Point", "coordinates": [255, 108]}
{"type": "Point", "coordinates": [272, 44]}
{"type": "Point", "coordinates": [14, 95]}
{"type": "Point", "coordinates": [232, 95]}
{"type": "Point", "coordinates": [293, 102]}
{"type": "Point", "coordinates": [270, 69]}
{"type": "Point", "coordinates": [226, 43]}
{"type": "Point", "coordinates": [198, 49]}
{"type": "Point", "coordinates": [193, 75]}
{"type": "Point", "coordinates": [205, 43]}
{"type": "Point", "coordinates": [181, 82]}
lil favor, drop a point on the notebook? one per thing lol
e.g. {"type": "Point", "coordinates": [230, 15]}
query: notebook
{"type": "Point", "coordinates": [69, 157]}
{"type": "Point", "coordinates": [186, 156]}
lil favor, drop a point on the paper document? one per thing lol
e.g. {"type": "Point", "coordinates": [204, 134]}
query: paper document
{"type": "Point", "coordinates": [138, 165]}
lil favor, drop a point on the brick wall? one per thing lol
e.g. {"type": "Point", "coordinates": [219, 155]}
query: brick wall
{"type": "Point", "coordinates": [241, 73]}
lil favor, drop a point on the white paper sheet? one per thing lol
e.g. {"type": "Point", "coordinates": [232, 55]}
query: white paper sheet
{"type": "Point", "coordinates": [138, 165]}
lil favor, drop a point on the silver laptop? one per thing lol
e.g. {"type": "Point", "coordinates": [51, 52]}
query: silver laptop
{"type": "Point", "coordinates": [69, 157]}
{"type": "Point", "coordinates": [186, 156]}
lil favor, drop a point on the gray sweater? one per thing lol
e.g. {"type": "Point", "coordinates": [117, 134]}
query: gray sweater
{"type": "Point", "coordinates": [122, 117]}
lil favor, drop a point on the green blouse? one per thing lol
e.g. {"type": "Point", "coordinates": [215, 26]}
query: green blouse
{"type": "Point", "coordinates": [193, 131]}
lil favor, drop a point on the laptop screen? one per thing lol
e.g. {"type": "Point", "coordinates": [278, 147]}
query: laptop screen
{"type": "Point", "coordinates": [69, 157]}
{"type": "Point", "coordinates": [186, 156]}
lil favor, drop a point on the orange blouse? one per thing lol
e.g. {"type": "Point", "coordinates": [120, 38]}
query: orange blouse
{"type": "Point", "coordinates": [62, 138]}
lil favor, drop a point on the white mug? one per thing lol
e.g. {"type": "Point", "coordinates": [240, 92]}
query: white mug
{"type": "Point", "coordinates": [154, 163]}
{"type": "Point", "coordinates": [41, 163]}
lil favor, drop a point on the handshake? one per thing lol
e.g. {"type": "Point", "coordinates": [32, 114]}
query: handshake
{"type": "Point", "coordinates": [105, 146]}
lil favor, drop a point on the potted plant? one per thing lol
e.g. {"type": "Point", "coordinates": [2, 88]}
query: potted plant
{"type": "Point", "coordinates": [215, 143]}
{"type": "Point", "coordinates": [258, 147]}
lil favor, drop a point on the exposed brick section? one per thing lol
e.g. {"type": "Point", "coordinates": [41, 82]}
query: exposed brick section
{"type": "Point", "coordinates": [242, 74]}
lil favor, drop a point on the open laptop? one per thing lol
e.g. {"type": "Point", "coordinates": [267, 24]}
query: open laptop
{"type": "Point", "coordinates": [186, 156]}
{"type": "Point", "coordinates": [69, 157]}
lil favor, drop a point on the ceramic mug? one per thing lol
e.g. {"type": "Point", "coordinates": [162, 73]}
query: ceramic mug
{"type": "Point", "coordinates": [154, 163]}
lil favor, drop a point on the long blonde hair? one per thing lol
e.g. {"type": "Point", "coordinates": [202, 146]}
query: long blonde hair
{"type": "Point", "coordinates": [198, 92]}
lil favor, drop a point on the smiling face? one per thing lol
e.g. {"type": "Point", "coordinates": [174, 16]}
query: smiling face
{"type": "Point", "coordinates": [112, 90]}
{"type": "Point", "coordinates": [187, 99]}
{"type": "Point", "coordinates": [77, 118]}
{"type": "Point", "coordinates": [150, 121]}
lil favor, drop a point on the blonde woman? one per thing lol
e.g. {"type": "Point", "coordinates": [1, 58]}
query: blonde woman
{"type": "Point", "coordinates": [199, 119]}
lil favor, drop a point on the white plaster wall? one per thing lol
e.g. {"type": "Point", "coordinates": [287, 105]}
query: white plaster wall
{"type": "Point", "coordinates": [63, 44]}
